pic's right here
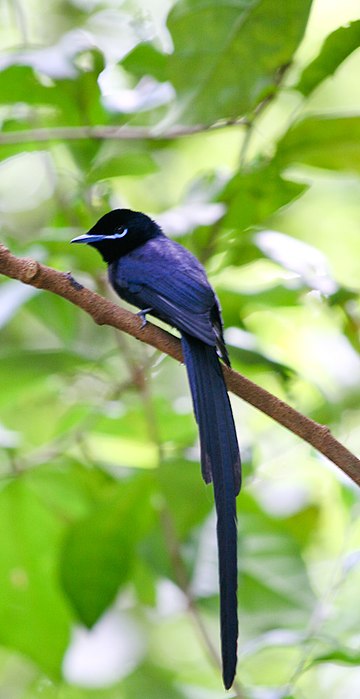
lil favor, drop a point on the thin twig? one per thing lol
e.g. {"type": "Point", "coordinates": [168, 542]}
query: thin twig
{"type": "Point", "coordinates": [104, 312]}
{"type": "Point", "coordinates": [105, 132]}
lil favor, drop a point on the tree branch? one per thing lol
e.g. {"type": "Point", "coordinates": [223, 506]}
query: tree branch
{"type": "Point", "coordinates": [104, 312]}
{"type": "Point", "coordinates": [116, 133]}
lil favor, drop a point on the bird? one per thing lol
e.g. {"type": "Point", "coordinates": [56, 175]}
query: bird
{"type": "Point", "coordinates": [162, 278]}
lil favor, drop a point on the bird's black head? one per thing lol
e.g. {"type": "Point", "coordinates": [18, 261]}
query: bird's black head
{"type": "Point", "coordinates": [118, 232]}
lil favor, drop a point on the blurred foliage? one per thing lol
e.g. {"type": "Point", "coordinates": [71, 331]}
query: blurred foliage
{"type": "Point", "coordinates": [107, 545]}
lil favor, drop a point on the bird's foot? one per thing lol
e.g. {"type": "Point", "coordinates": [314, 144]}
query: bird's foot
{"type": "Point", "coordinates": [73, 282]}
{"type": "Point", "coordinates": [142, 315]}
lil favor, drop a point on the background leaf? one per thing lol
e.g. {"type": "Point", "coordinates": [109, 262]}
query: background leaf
{"type": "Point", "coordinates": [230, 40]}
{"type": "Point", "coordinates": [336, 48]}
{"type": "Point", "coordinates": [32, 606]}
{"type": "Point", "coordinates": [99, 551]}
{"type": "Point", "coordinates": [322, 142]}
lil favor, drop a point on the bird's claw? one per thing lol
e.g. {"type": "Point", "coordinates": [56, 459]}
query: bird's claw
{"type": "Point", "coordinates": [73, 282]}
{"type": "Point", "coordinates": [142, 315]}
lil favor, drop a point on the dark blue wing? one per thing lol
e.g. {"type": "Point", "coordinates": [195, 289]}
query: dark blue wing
{"type": "Point", "coordinates": [167, 278]}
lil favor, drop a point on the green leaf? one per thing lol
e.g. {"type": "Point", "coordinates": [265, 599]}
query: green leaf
{"type": "Point", "coordinates": [20, 84]}
{"type": "Point", "coordinates": [67, 488]}
{"type": "Point", "coordinates": [230, 64]}
{"type": "Point", "coordinates": [119, 159]}
{"type": "Point", "coordinates": [61, 318]}
{"type": "Point", "coordinates": [99, 551]}
{"type": "Point", "coordinates": [228, 55]}
{"type": "Point", "coordinates": [72, 101]}
{"type": "Point", "coordinates": [323, 142]}
{"type": "Point", "coordinates": [153, 682]}
{"type": "Point", "coordinates": [21, 371]}
{"type": "Point", "coordinates": [144, 582]}
{"type": "Point", "coordinates": [34, 616]}
{"type": "Point", "coordinates": [178, 479]}
{"type": "Point", "coordinates": [342, 656]}
{"type": "Point", "coordinates": [251, 358]}
{"type": "Point", "coordinates": [146, 55]}
{"type": "Point", "coordinates": [274, 588]}
{"type": "Point", "coordinates": [117, 451]}
{"type": "Point", "coordinates": [336, 48]}
{"type": "Point", "coordinates": [252, 197]}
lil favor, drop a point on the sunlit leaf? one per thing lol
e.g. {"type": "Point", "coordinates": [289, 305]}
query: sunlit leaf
{"type": "Point", "coordinates": [336, 48]}
{"type": "Point", "coordinates": [274, 589]}
{"type": "Point", "coordinates": [121, 451]}
{"type": "Point", "coordinates": [20, 84]}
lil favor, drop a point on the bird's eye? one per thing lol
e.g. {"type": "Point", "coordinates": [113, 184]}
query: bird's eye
{"type": "Point", "coordinates": [119, 233]}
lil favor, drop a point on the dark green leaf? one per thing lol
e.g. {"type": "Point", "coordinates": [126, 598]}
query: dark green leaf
{"type": "Point", "coordinates": [100, 550]}
{"type": "Point", "coordinates": [336, 48]}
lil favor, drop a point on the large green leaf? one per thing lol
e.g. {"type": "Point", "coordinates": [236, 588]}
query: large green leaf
{"type": "Point", "coordinates": [336, 48]}
{"type": "Point", "coordinates": [252, 197]}
{"type": "Point", "coordinates": [323, 142]}
{"type": "Point", "coordinates": [100, 550]}
{"type": "Point", "coordinates": [34, 617]}
{"type": "Point", "coordinates": [228, 55]}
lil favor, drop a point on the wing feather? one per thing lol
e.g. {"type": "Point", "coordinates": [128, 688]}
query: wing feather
{"type": "Point", "coordinates": [177, 293]}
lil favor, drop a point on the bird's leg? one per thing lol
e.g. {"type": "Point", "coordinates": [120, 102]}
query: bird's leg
{"type": "Point", "coordinates": [142, 315]}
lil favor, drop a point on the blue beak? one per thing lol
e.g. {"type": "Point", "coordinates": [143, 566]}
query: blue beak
{"type": "Point", "coordinates": [86, 238]}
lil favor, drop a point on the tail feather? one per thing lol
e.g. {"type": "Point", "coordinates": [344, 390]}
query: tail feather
{"type": "Point", "coordinates": [220, 463]}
